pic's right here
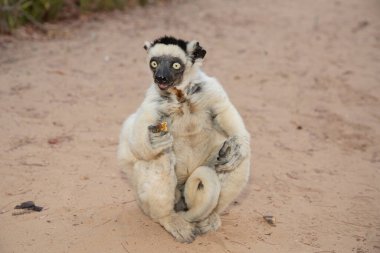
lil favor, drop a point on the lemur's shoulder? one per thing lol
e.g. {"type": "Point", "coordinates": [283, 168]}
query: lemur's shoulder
{"type": "Point", "coordinates": [212, 90]}
{"type": "Point", "coordinates": [206, 85]}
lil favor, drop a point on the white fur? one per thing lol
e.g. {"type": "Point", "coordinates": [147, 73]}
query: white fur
{"type": "Point", "coordinates": [170, 50]}
{"type": "Point", "coordinates": [197, 130]}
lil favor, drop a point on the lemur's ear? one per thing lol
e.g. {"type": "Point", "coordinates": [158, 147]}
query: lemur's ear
{"type": "Point", "coordinates": [195, 51]}
{"type": "Point", "coordinates": [147, 45]}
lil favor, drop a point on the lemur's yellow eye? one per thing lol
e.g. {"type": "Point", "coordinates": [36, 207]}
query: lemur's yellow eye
{"type": "Point", "coordinates": [176, 65]}
{"type": "Point", "coordinates": [153, 64]}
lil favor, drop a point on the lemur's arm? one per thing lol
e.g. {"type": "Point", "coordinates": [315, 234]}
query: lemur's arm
{"type": "Point", "coordinates": [145, 142]}
{"type": "Point", "coordinates": [228, 121]}
{"type": "Point", "coordinates": [232, 125]}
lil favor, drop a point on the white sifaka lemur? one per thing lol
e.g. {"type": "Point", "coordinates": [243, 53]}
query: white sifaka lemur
{"type": "Point", "coordinates": [185, 150]}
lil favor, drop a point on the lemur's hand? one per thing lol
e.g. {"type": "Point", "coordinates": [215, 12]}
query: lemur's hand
{"type": "Point", "coordinates": [159, 136]}
{"type": "Point", "coordinates": [229, 156]}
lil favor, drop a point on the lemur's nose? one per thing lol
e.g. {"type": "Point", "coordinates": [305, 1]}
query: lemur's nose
{"type": "Point", "coordinates": [162, 79]}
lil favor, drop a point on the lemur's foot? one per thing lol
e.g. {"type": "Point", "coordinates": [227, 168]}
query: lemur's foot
{"type": "Point", "coordinates": [211, 223]}
{"type": "Point", "coordinates": [182, 230]}
{"type": "Point", "coordinates": [229, 156]}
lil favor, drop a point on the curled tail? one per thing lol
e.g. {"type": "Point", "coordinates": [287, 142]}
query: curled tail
{"type": "Point", "coordinates": [202, 190]}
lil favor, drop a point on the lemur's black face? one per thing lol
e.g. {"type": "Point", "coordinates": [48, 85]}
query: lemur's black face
{"type": "Point", "coordinates": [167, 71]}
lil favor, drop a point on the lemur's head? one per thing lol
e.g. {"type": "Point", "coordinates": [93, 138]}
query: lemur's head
{"type": "Point", "coordinates": [173, 61]}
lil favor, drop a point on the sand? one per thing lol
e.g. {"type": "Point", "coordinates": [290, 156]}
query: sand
{"type": "Point", "coordinates": [305, 75]}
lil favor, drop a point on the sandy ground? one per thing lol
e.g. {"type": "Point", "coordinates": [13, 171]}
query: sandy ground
{"type": "Point", "coordinates": [305, 76]}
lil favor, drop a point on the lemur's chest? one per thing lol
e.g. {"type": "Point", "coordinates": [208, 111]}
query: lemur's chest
{"type": "Point", "coordinates": [189, 120]}
{"type": "Point", "coordinates": [194, 138]}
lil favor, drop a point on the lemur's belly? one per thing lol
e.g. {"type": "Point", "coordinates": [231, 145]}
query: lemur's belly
{"type": "Point", "coordinates": [195, 141]}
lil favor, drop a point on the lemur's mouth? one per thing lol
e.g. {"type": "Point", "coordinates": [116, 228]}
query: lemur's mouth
{"type": "Point", "coordinates": [163, 86]}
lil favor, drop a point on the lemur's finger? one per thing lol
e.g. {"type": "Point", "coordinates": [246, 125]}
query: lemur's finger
{"type": "Point", "coordinates": [153, 129]}
{"type": "Point", "coordinates": [234, 163]}
{"type": "Point", "coordinates": [164, 138]}
{"type": "Point", "coordinates": [225, 150]}
{"type": "Point", "coordinates": [230, 163]}
{"type": "Point", "coordinates": [159, 136]}
{"type": "Point", "coordinates": [221, 161]}
{"type": "Point", "coordinates": [162, 141]}
{"type": "Point", "coordinates": [160, 127]}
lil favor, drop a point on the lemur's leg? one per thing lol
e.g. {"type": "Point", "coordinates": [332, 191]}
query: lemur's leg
{"type": "Point", "coordinates": [211, 223]}
{"type": "Point", "coordinates": [232, 183]}
{"type": "Point", "coordinates": [181, 229]}
{"type": "Point", "coordinates": [155, 187]}
{"type": "Point", "coordinates": [201, 193]}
